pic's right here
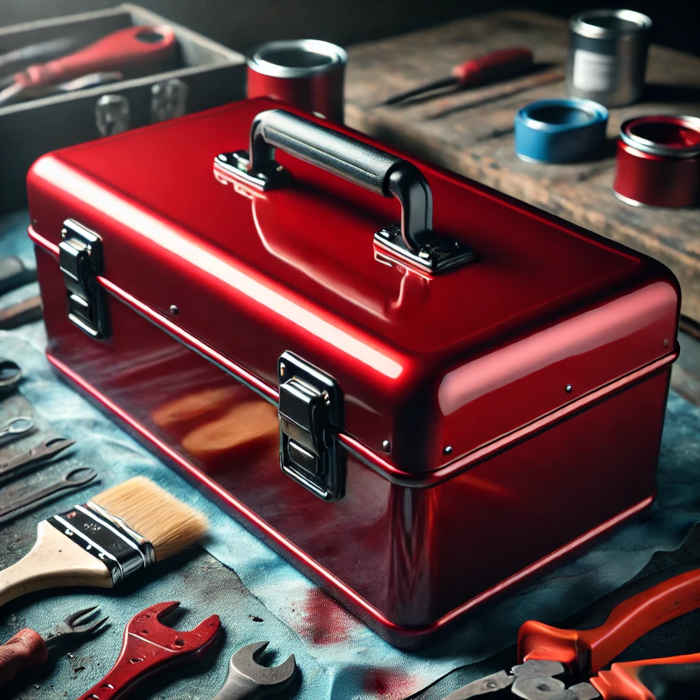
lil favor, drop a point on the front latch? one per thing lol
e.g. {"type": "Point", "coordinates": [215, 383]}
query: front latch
{"type": "Point", "coordinates": [80, 258]}
{"type": "Point", "coordinates": [310, 415]}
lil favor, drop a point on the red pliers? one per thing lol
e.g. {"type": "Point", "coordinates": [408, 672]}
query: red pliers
{"type": "Point", "coordinates": [550, 658]}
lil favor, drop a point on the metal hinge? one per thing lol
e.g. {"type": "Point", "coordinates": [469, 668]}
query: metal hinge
{"type": "Point", "coordinates": [310, 414]}
{"type": "Point", "coordinates": [80, 258]}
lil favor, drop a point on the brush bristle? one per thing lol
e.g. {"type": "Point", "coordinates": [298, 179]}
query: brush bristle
{"type": "Point", "coordinates": [168, 524]}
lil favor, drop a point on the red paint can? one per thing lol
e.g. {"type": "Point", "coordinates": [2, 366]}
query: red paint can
{"type": "Point", "coordinates": [307, 73]}
{"type": "Point", "coordinates": [658, 161]}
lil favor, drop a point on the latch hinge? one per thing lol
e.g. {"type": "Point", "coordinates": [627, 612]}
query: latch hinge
{"type": "Point", "coordinates": [80, 258]}
{"type": "Point", "coordinates": [310, 414]}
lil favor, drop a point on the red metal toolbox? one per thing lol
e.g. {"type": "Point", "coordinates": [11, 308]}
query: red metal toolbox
{"type": "Point", "coordinates": [459, 388]}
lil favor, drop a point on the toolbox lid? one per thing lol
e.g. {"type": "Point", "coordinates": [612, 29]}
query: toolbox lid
{"type": "Point", "coordinates": [431, 367]}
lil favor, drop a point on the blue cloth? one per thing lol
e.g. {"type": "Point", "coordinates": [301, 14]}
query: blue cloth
{"type": "Point", "coordinates": [339, 657]}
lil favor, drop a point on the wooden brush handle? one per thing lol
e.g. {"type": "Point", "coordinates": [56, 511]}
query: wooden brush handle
{"type": "Point", "coordinates": [53, 562]}
{"type": "Point", "coordinates": [24, 650]}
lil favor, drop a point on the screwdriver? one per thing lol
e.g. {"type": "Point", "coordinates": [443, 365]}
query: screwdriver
{"type": "Point", "coordinates": [131, 48]}
{"type": "Point", "coordinates": [487, 68]}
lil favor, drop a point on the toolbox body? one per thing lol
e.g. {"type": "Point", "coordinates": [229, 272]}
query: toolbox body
{"type": "Point", "coordinates": [417, 420]}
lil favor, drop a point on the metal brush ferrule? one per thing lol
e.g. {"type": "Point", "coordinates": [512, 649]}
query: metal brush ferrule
{"type": "Point", "coordinates": [144, 545]}
{"type": "Point", "coordinates": [120, 549]}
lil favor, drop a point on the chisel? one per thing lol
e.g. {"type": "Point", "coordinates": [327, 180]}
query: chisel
{"type": "Point", "coordinates": [487, 68]}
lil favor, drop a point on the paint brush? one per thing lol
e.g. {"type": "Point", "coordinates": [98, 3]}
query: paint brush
{"type": "Point", "coordinates": [116, 534]}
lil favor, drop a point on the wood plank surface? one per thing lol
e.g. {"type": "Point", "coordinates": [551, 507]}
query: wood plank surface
{"type": "Point", "coordinates": [471, 131]}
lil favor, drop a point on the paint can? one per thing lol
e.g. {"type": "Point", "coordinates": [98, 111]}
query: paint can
{"type": "Point", "coordinates": [658, 161]}
{"type": "Point", "coordinates": [307, 73]}
{"type": "Point", "coordinates": [608, 56]}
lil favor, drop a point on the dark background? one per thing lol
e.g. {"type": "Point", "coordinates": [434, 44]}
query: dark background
{"type": "Point", "coordinates": [241, 24]}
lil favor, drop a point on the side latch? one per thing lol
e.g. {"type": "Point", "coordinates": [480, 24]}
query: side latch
{"type": "Point", "coordinates": [80, 258]}
{"type": "Point", "coordinates": [310, 415]}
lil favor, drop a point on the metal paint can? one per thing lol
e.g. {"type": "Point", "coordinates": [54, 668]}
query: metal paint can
{"type": "Point", "coordinates": [560, 130]}
{"type": "Point", "coordinates": [658, 161]}
{"type": "Point", "coordinates": [308, 73]}
{"type": "Point", "coordinates": [608, 56]}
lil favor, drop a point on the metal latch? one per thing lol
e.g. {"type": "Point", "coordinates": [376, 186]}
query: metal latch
{"type": "Point", "coordinates": [310, 414]}
{"type": "Point", "coordinates": [80, 258]}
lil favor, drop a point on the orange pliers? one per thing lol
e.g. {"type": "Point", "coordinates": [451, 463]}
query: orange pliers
{"type": "Point", "coordinates": [550, 658]}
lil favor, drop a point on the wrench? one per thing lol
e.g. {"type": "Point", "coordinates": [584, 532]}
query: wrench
{"type": "Point", "coordinates": [150, 646]}
{"type": "Point", "coordinates": [247, 677]}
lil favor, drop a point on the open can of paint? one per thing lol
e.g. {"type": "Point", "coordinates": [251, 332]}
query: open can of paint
{"type": "Point", "coordinates": [307, 73]}
{"type": "Point", "coordinates": [608, 56]}
{"type": "Point", "coordinates": [658, 161]}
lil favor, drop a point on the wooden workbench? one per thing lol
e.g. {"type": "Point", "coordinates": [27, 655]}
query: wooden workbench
{"type": "Point", "coordinates": [471, 131]}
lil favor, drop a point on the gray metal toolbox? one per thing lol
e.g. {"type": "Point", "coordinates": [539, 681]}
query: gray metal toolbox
{"type": "Point", "coordinates": [213, 74]}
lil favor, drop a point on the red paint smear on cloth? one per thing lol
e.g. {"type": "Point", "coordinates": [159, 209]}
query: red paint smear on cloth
{"type": "Point", "coordinates": [390, 683]}
{"type": "Point", "coordinates": [323, 621]}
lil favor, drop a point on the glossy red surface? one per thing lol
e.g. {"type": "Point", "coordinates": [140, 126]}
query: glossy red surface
{"type": "Point", "coordinates": [295, 268]}
{"type": "Point", "coordinates": [320, 92]}
{"type": "Point", "coordinates": [478, 360]}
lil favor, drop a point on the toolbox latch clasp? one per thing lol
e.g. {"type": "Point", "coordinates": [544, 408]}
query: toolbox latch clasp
{"type": "Point", "coordinates": [310, 415]}
{"type": "Point", "coordinates": [80, 259]}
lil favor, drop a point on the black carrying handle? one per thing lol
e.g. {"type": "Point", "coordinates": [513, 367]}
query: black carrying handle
{"type": "Point", "coordinates": [353, 160]}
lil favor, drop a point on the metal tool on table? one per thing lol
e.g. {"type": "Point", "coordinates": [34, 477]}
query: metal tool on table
{"type": "Point", "coordinates": [84, 82]}
{"type": "Point", "coordinates": [150, 646]}
{"type": "Point", "coordinates": [134, 48]}
{"type": "Point", "coordinates": [28, 649]}
{"type": "Point", "coordinates": [487, 68]}
{"type": "Point", "coordinates": [20, 313]}
{"type": "Point", "coordinates": [16, 428]}
{"type": "Point", "coordinates": [13, 467]}
{"type": "Point", "coordinates": [551, 657]}
{"type": "Point", "coordinates": [14, 273]}
{"type": "Point", "coordinates": [33, 52]}
{"type": "Point", "coordinates": [246, 677]}
{"type": "Point", "coordinates": [73, 480]}
{"type": "Point", "coordinates": [10, 376]}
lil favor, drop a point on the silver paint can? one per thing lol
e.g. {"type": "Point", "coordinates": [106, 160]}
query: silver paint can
{"type": "Point", "coordinates": [608, 56]}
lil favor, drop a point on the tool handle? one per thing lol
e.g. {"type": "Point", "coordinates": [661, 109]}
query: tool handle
{"type": "Point", "coordinates": [652, 679]}
{"type": "Point", "coordinates": [495, 65]}
{"type": "Point", "coordinates": [13, 273]}
{"type": "Point", "coordinates": [54, 561]}
{"type": "Point", "coordinates": [237, 686]}
{"type": "Point", "coordinates": [125, 49]}
{"type": "Point", "coordinates": [353, 160]}
{"type": "Point", "coordinates": [132, 667]}
{"type": "Point", "coordinates": [73, 480]}
{"type": "Point", "coordinates": [24, 650]}
{"type": "Point", "coordinates": [20, 313]}
{"type": "Point", "coordinates": [586, 651]}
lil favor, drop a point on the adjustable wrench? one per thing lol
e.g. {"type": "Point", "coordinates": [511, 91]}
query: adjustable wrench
{"type": "Point", "coordinates": [150, 646]}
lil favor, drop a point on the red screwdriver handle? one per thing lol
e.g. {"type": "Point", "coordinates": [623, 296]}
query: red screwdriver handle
{"type": "Point", "coordinates": [24, 650]}
{"type": "Point", "coordinates": [148, 647]}
{"type": "Point", "coordinates": [586, 651]}
{"type": "Point", "coordinates": [493, 66]}
{"type": "Point", "coordinates": [140, 46]}
{"type": "Point", "coordinates": [672, 677]}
